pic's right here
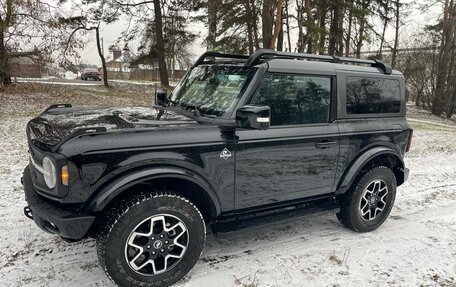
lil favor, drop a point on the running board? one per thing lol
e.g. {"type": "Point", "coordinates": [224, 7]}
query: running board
{"type": "Point", "coordinates": [233, 223]}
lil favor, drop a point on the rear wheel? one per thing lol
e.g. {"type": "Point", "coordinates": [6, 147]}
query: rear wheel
{"type": "Point", "coordinates": [151, 240]}
{"type": "Point", "coordinates": [369, 202]}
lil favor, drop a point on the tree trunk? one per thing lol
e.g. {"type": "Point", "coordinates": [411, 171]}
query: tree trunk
{"type": "Point", "coordinates": [280, 36]}
{"type": "Point", "coordinates": [340, 40]}
{"type": "Point", "coordinates": [255, 26]}
{"type": "Point", "coordinates": [249, 23]}
{"type": "Point", "coordinates": [385, 23]}
{"type": "Point", "coordinates": [449, 18]}
{"type": "Point", "coordinates": [277, 25]}
{"type": "Point", "coordinates": [310, 30]}
{"type": "Point", "coordinates": [323, 9]}
{"type": "Point", "coordinates": [299, 18]}
{"type": "Point", "coordinates": [212, 6]}
{"type": "Point", "coordinates": [452, 81]}
{"type": "Point", "coordinates": [287, 23]}
{"type": "Point", "coordinates": [160, 45]}
{"type": "Point", "coordinates": [335, 31]}
{"type": "Point", "coordinates": [267, 16]}
{"type": "Point", "coordinates": [5, 77]}
{"type": "Point", "coordinates": [396, 36]}
{"type": "Point", "coordinates": [102, 58]}
{"type": "Point", "coordinates": [362, 24]}
{"type": "Point", "coordinates": [349, 31]}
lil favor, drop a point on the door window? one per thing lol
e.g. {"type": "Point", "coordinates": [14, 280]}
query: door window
{"type": "Point", "coordinates": [295, 99]}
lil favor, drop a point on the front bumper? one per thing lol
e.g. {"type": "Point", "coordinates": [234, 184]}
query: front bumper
{"type": "Point", "coordinates": [67, 223]}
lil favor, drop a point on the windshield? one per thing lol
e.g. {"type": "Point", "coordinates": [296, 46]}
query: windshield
{"type": "Point", "coordinates": [212, 90]}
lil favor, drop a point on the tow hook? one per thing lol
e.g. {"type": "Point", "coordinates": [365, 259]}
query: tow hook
{"type": "Point", "coordinates": [28, 212]}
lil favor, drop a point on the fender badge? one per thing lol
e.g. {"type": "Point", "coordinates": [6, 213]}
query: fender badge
{"type": "Point", "coordinates": [225, 154]}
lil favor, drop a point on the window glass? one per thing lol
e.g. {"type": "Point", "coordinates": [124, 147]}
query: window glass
{"type": "Point", "coordinates": [372, 95]}
{"type": "Point", "coordinates": [295, 99]}
{"type": "Point", "coordinates": [213, 90]}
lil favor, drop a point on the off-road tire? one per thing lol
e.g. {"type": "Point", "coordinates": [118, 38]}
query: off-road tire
{"type": "Point", "coordinates": [122, 219]}
{"type": "Point", "coordinates": [350, 214]}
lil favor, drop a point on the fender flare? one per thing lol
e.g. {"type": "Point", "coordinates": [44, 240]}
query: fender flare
{"type": "Point", "coordinates": [350, 173]}
{"type": "Point", "coordinates": [104, 196]}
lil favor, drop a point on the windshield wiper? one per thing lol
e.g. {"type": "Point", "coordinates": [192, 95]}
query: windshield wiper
{"type": "Point", "coordinates": [197, 112]}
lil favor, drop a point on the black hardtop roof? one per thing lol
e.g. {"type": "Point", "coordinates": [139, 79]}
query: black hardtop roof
{"type": "Point", "coordinates": [262, 55]}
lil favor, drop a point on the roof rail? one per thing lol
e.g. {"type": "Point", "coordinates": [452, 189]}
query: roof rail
{"type": "Point", "coordinates": [217, 55]}
{"type": "Point", "coordinates": [269, 53]}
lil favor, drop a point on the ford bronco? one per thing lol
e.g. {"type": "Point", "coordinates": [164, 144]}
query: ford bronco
{"type": "Point", "coordinates": [240, 141]}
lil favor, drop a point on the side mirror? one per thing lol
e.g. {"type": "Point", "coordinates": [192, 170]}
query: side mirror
{"type": "Point", "coordinates": [161, 98]}
{"type": "Point", "coordinates": [253, 117]}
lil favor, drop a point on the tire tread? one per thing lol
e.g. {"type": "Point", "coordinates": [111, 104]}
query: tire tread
{"type": "Point", "coordinates": [344, 215]}
{"type": "Point", "coordinates": [109, 219]}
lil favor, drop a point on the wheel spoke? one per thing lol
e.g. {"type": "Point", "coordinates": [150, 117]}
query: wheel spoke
{"type": "Point", "coordinates": [370, 214]}
{"type": "Point", "coordinates": [179, 224]}
{"type": "Point", "coordinates": [153, 220]}
{"type": "Point", "coordinates": [362, 208]}
{"type": "Point", "coordinates": [382, 198]}
{"type": "Point", "coordinates": [373, 200]}
{"type": "Point", "coordinates": [152, 240]}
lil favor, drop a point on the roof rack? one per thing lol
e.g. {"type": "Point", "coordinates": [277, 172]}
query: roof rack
{"type": "Point", "coordinates": [217, 55]}
{"type": "Point", "coordinates": [271, 54]}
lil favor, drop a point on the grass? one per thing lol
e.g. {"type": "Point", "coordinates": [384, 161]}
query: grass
{"type": "Point", "coordinates": [429, 126]}
{"type": "Point", "coordinates": [29, 99]}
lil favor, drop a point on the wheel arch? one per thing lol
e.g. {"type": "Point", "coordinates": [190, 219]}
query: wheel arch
{"type": "Point", "coordinates": [179, 180]}
{"type": "Point", "coordinates": [376, 156]}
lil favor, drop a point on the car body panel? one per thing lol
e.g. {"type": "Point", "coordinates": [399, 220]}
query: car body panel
{"type": "Point", "coordinates": [284, 163]}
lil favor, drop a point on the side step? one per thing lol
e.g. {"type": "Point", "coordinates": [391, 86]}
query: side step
{"type": "Point", "coordinates": [233, 223]}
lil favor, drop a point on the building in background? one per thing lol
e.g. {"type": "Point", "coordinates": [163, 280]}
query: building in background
{"type": "Point", "coordinates": [24, 67]}
{"type": "Point", "coordinates": [120, 68]}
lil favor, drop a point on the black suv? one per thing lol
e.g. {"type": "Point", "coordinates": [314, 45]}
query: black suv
{"type": "Point", "coordinates": [241, 140]}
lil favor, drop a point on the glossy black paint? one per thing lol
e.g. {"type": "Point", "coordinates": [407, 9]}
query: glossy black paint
{"type": "Point", "coordinates": [284, 163]}
{"type": "Point", "coordinates": [56, 124]}
{"type": "Point", "coordinates": [279, 167]}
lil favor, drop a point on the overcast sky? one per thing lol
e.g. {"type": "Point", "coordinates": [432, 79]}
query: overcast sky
{"type": "Point", "coordinates": [414, 21]}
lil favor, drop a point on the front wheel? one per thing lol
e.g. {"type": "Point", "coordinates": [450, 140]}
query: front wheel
{"type": "Point", "coordinates": [151, 240]}
{"type": "Point", "coordinates": [369, 202]}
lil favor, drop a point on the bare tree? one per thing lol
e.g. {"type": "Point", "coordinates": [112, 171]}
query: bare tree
{"type": "Point", "coordinates": [159, 44]}
{"type": "Point", "coordinates": [28, 29]}
{"type": "Point", "coordinates": [81, 23]}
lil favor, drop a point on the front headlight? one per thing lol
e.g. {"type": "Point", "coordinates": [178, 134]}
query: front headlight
{"type": "Point", "coordinates": [50, 174]}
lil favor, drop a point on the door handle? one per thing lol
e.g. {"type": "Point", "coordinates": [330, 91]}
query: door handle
{"type": "Point", "coordinates": [324, 144]}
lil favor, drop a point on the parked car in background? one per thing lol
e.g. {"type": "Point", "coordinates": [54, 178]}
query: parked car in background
{"type": "Point", "coordinates": [90, 73]}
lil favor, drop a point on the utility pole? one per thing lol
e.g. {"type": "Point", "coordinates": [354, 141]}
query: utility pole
{"type": "Point", "coordinates": [102, 46]}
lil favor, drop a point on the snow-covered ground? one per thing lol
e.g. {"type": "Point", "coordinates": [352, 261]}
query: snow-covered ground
{"type": "Point", "coordinates": [415, 247]}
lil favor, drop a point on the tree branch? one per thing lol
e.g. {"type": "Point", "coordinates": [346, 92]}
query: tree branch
{"type": "Point", "coordinates": [74, 32]}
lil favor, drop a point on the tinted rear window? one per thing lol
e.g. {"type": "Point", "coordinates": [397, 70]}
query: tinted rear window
{"type": "Point", "coordinates": [373, 95]}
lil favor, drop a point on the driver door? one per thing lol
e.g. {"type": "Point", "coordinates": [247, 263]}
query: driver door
{"type": "Point", "coordinates": [297, 157]}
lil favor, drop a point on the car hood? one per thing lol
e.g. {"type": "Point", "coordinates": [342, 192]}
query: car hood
{"type": "Point", "coordinates": [53, 126]}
